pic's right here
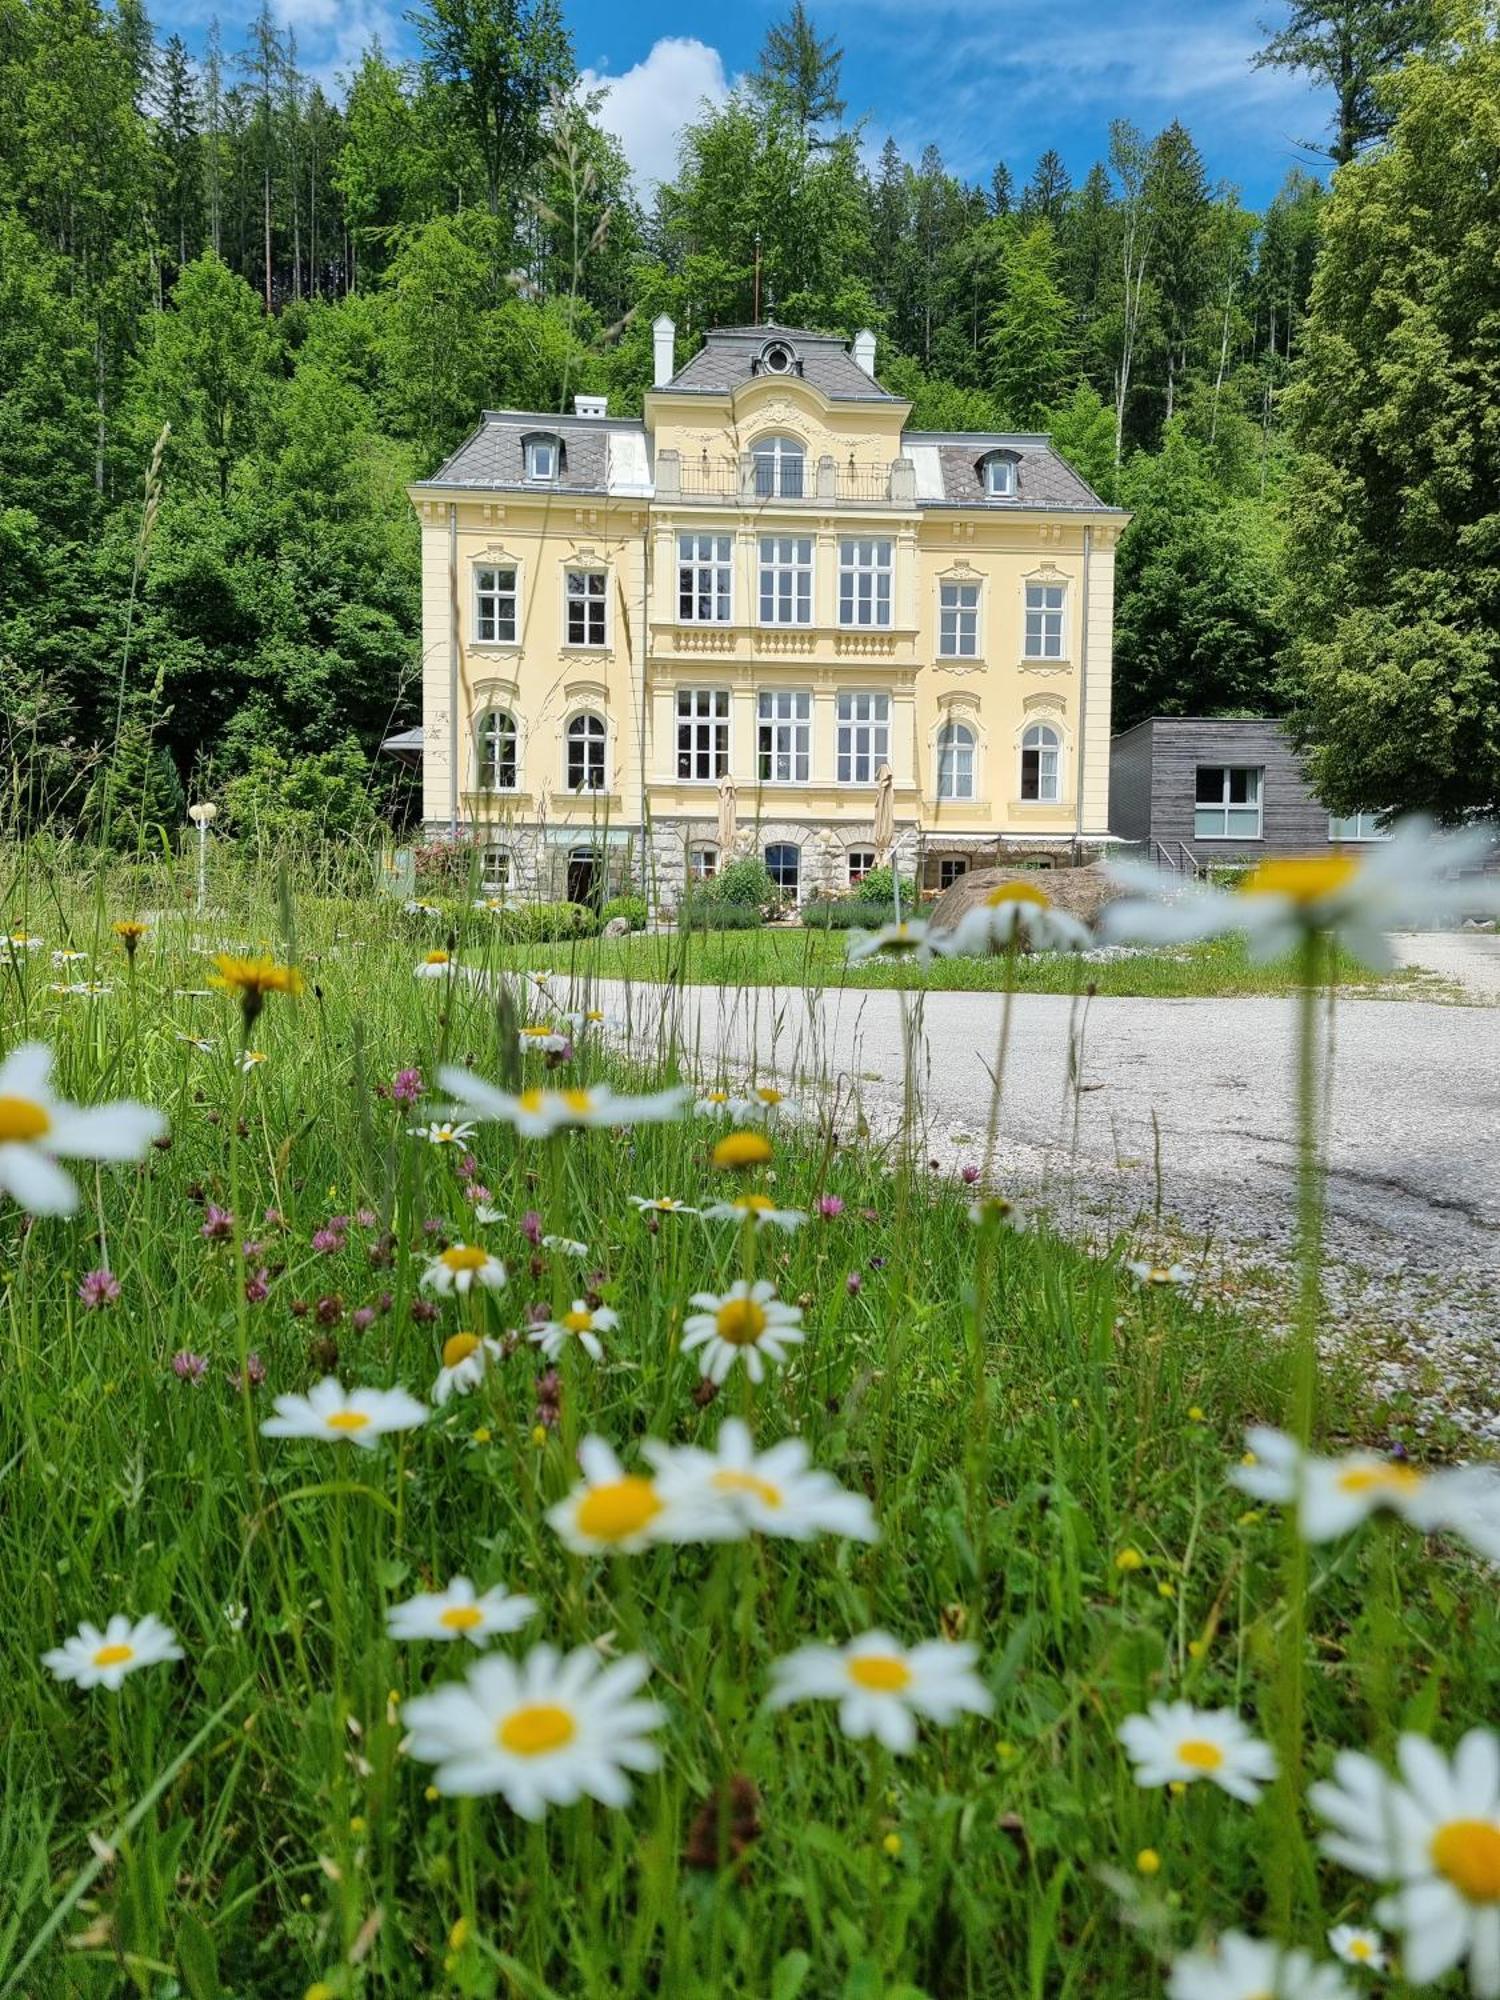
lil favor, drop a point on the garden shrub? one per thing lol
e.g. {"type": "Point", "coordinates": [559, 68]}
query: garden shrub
{"type": "Point", "coordinates": [839, 913]}
{"type": "Point", "coordinates": [743, 882]}
{"type": "Point", "coordinates": [879, 886]}
{"type": "Point", "coordinates": [702, 912]}
{"type": "Point", "coordinates": [632, 908]}
{"type": "Point", "coordinates": [544, 923]}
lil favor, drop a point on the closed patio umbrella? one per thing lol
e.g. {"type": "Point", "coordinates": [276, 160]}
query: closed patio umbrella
{"type": "Point", "coordinates": [885, 811]}
{"type": "Point", "coordinates": [728, 805]}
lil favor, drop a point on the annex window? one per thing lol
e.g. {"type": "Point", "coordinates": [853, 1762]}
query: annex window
{"type": "Point", "coordinates": [1041, 764]}
{"type": "Point", "coordinates": [861, 862]}
{"type": "Point", "coordinates": [495, 870]}
{"type": "Point", "coordinates": [1227, 802]}
{"type": "Point", "coordinates": [865, 581]}
{"type": "Point", "coordinates": [1358, 826]}
{"type": "Point", "coordinates": [786, 579]}
{"type": "Point", "coordinates": [779, 464]}
{"type": "Point", "coordinates": [784, 866]}
{"type": "Point", "coordinates": [586, 754]}
{"type": "Point", "coordinates": [864, 737]}
{"type": "Point", "coordinates": [1044, 621]}
{"type": "Point", "coordinates": [703, 863]}
{"type": "Point", "coordinates": [999, 470]}
{"type": "Point", "coordinates": [543, 459]}
{"type": "Point", "coordinates": [952, 868]}
{"type": "Point", "coordinates": [784, 736]}
{"type": "Point", "coordinates": [958, 621]}
{"type": "Point", "coordinates": [955, 761]}
{"type": "Point", "coordinates": [702, 732]}
{"type": "Point", "coordinates": [586, 602]}
{"type": "Point", "coordinates": [704, 572]}
{"type": "Point", "coordinates": [495, 751]}
{"type": "Point", "coordinates": [495, 606]}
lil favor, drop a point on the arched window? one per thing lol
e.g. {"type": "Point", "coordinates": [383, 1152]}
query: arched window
{"type": "Point", "coordinates": [495, 751]}
{"type": "Point", "coordinates": [784, 865]}
{"type": "Point", "coordinates": [998, 470]}
{"type": "Point", "coordinates": [955, 761]}
{"type": "Point", "coordinates": [779, 463]}
{"type": "Point", "coordinates": [1041, 764]}
{"type": "Point", "coordinates": [586, 754]}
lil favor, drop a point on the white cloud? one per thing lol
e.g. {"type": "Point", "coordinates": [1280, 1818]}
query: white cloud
{"type": "Point", "coordinates": [648, 106]}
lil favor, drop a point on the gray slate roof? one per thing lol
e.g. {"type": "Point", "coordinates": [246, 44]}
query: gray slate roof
{"type": "Point", "coordinates": [728, 353]}
{"type": "Point", "coordinates": [594, 449]}
{"type": "Point", "coordinates": [948, 471]}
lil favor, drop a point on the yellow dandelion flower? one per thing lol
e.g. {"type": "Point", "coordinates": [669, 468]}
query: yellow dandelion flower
{"type": "Point", "coordinates": [1129, 1559]}
{"type": "Point", "coordinates": [892, 1844]}
{"type": "Point", "coordinates": [129, 932]}
{"type": "Point", "coordinates": [252, 979]}
{"type": "Point", "coordinates": [1148, 1861]}
{"type": "Point", "coordinates": [737, 1150]}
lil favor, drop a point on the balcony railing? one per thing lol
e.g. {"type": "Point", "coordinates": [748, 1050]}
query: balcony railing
{"type": "Point", "coordinates": [746, 482]}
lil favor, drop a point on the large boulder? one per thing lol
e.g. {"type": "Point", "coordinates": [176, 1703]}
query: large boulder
{"type": "Point", "coordinates": [1082, 892]}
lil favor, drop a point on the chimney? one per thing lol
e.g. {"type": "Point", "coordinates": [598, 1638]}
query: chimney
{"type": "Point", "coordinates": [591, 406]}
{"type": "Point", "coordinates": [663, 344]}
{"type": "Point", "coordinates": [864, 351]}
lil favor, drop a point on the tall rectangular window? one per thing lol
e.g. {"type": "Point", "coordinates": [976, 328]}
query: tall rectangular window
{"type": "Point", "coordinates": [865, 581]}
{"type": "Point", "coordinates": [786, 579]}
{"type": "Point", "coordinates": [586, 590]}
{"type": "Point", "coordinates": [1044, 621]}
{"type": "Point", "coordinates": [958, 620]}
{"type": "Point", "coordinates": [702, 732]}
{"type": "Point", "coordinates": [784, 729]}
{"type": "Point", "coordinates": [495, 606]}
{"type": "Point", "coordinates": [864, 737]}
{"type": "Point", "coordinates": [1227, 802]}
{"type": "Point", "coordinates": [704, 573]}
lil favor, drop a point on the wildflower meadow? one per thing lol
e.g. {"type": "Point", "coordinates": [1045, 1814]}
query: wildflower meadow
{"type": "Point", "coordinates": [486, 1509]}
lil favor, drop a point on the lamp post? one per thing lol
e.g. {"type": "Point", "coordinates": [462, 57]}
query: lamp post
{"type": "Point", "coordinates": [203, 817]}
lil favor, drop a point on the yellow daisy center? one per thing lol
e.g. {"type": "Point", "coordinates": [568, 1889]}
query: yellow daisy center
{"type": "Point", "coordinates": [1199, 1755]}
{"type": "Point", "coordinates": [437, 958]}
{"type": "Point", "coordinates": [544, 1030]}
{"type": "Point", "coordinates": [532, 1100]}
{"type": "Point", "coordinates": [1017, 892]}
{"type": "Point", "coordinates": [347, 1420]}
{"type": "Point", "coordinates": [767, 1095]}
{"type": "Point", "coordinates": [740, 1321]}
{"type": "Point", "coordinates": [579, 1102]}
{"type": "Point", "coordinates": [1359, 1948]}
{"type": "Point", "coordinates": [742, 1149]}
{"type": "Point", "coordinates": [746, 1482]}
{"type": "Point", "coordinates": [114, 1656]}
{"type": "Point", "coordinates": [716, 1097]}
{"type": "Point", "coordinates": [1305, 879]}
{"type": "Point", "coordinates": [536, 1729]}
{"type": "Point", "coordinates": [578, 1322]}
{"type": "Point", "coordinates": [755, 1204]}
{"type": "Point", "coordinates": [464, 1257]}
{"type": "Point", "coordinates": [880, 1673]}
{"type": "Point", "coordinates": [899, 938]}
{"type": "Point", "coordinates": [458, 1347]}
{"type": "Point", "coordinates": [1394, 1480]}
{"type": "Point", "coordinates": [21, 1119]}
{"type": "Point", "coordinates": [461, 1617]}
{"type": "Point", "coordinates": [1467, 1851]}
{"type": "Point", "coordinates": [618, 1509]}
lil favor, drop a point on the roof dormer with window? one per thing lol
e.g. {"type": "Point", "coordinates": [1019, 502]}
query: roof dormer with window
{"type": "Point", "coordinates": [543, 456]}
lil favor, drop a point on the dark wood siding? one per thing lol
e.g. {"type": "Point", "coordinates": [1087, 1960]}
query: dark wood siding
{"type": "Point", "coordinates": [1130, 783]}
{"type": "Point", "coordinates": [1292, 821]}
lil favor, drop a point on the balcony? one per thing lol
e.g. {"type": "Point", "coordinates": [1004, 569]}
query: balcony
{"type": "Point", "coordinates": [725, 481]}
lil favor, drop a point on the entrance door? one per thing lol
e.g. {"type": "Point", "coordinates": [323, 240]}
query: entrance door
{"type": "Point", "coordinates": [585, 878]}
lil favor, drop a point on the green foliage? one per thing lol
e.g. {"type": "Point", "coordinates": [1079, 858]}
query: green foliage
{"type": "Point", "coordinates": [543, 923]}
{"type": "Point", "coordinates": [207, 373]}
{"type": "Point", "coordinates": [136, 801]}
{"type": "Point", "coordinates": [632, 908]}
{"type": "Point", "coordinates": [747, 880]}
{"type": "Point", "coordinates": [278, 800]}
{"type": "Point", "coordinates": [702, 911]}
{"type": "Point", "coordinates": [1030, 343]}
{"type": "Point", "coordinates": [879, 886]}
{"type": "Point", "coordinates": [840, 913]}
{"type": "Point", "coordinates": [1352, 47]}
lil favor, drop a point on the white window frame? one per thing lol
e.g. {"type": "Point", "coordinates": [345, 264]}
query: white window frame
{"type": "Point", "coordinates": [958, 619]}
{"type": "Point", "coordinates": [578, 730]}
{"type": "Point", "coordinates": [490, 720]}
{"type": "Point", "coordinates": [863, 736]}
{"type": "Point", "coordinates": [1225, 804]}
{"type": "Point", "coordinates": [533, 448]}
{"type": "Point", "coordinates": [1365, 825]}
{"type": "Point", "coordinates": [1046, 620]}
{"type": "Point", "coordinates": [785, 847]}
{"type": "Point", "coordinates": [783, 736]}
{"type": "Point", "coordinates": [490, 600]}
{"type": "Point", "coordinates": [702, 862]}
{"type": "Point", "coordinates": [779, 468]}
{"type": "Point", "coordinates": [1044, 739]}
{"type": "Point", "coordinates": [955, 783]}
{"type": "Point", "coordinates": [702, 715]}
{"type": "Point", "coordinates": [786, 566]}
{"type": "Point", "coordinates": [862, 861]}
{"type": "Point", "coordinates": [497, 867]}
{"type": "Point", "coordinates": [705, 576]}
{"type": "Point", "coordinates": [586, 600]}
{"type": "Point", "coordinates": [1000, 476]}
{"type": "Point", "coordinates": [867, 582]}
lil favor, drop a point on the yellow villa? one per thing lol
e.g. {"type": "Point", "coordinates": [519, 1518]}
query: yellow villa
{"type": "Point", "coordinates": [738, 612]}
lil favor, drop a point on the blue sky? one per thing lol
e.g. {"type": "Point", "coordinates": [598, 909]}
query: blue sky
{"type": "Point", "coordinates": [985, 79]}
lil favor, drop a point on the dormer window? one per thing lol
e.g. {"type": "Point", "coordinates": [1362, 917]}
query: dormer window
{"type": "Point", "coordinates": [543, 460]}
{"type": "Point", "coordinates": [777, 358]}
{"type": "Point", "coordinates": [998, 470]}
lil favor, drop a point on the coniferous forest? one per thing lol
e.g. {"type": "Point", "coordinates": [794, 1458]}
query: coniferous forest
{"type": "Point", "coordinates": [238, 313]}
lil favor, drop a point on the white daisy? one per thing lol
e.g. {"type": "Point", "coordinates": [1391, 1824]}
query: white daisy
{"type": "Point", "coordinates": [582, 1019]}
{"type": "Point", "coordinates": [460, 1268]}
{"type": "Point", "coordinates": [1410, 881]}
{"type": "Point", "coordinates": [1175, 1743]}
{"type": "Point", "coordinates": [437, 965]}
{"type": "Point", "coordinates": [204, 1044]}
{"type": "Point", "coordinates": [537, 1114]}
{"type": "Point", "coordinates": [487, 1215]}
{"type": "Point", "coordinates": [882, 1686]}
{"type": "Point", "coordinates": [466, 1361]}
{"type": "Point", "coordinates": [355, 1416]}
{"type": "Point", "coordinates": [24, 941]}
{"type": "Point", "coordinates": [494, 904]}
{"type": "Point", "coordinates": [70, 958]}
{"type": "Point", "coordinates": [1247, 1968]}
{"type": "Point", "coordinates": [584, 1323]}
{"type": "Point", "coordinates": [748, 1322]}
{"type": "Point", "coordinates": [442, 1132]}
{"type": "Point", "coordinates": [1152, 1275]}
{"type": "Point", "coordinates": [908, 939]}
{"type": "Point", "coordinates": [565, 1246]}
{"type": "Point", "coordinates": [541, 1038]}
{"type": "Point", "coordinates": [1356, 1946]}
{"type": "Point", "coordinates": [542, 1731]}
{"type": "Point", "coordinates": [661, 1204]}
{"type": "Point", "coordinates": [415, 907]}
{"type": "Point", "coordinates": [773, 1492]}
{"type": "Point", "coordinates": [713, 1104]}
{"type": "Point", "coordinates": [762, 1100]}
{"type": "Point", "coordinates": [756, 1208]}
{"type": "Point", "coordinates": [92, 1658]}
{"type": "Point", "coordinates": [1333, 1495]}
{"type": "Point", "coordinates": [459, 1612]}
{"type": "Point", "coordinates": [251, 1059]}
{"type": "Point", "coordinates": [997, 1208]}
{"type": "Point", "coordinates": [1435, 1833]}
{"type": "Point", "coordinates": [615, 1512]}
{"type": "Point", "coordinates": [37, 1128]}
{"type": "Point", "coordinates": [1014, 912]}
